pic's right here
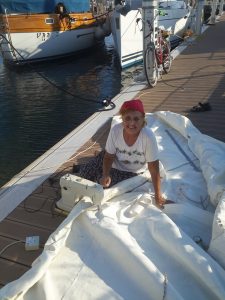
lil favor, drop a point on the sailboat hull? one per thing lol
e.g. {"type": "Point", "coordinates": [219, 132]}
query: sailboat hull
{"type": "Point", "coordinates": [43, 36]}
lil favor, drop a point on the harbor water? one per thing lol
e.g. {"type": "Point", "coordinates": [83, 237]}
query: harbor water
{"type": "Point", "coordinates": [41, 103]}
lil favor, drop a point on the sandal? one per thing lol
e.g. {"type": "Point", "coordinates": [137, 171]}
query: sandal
{"type": "Point", "coordinates": [201, 107]}
{"type": "Point", "coordinates": [206, 105]}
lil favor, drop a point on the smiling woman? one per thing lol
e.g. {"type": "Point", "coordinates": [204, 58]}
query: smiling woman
{"type": "Point", "coordinates": [130, 150]}
{"type": "Point", "coordinates": [133, 117]}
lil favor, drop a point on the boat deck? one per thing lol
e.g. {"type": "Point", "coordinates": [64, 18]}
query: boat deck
{"type": "Point", "coordinates": [197, 75]}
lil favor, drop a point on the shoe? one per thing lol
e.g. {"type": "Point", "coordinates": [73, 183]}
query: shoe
{"type": "Point", "coordinates": [201, 107]}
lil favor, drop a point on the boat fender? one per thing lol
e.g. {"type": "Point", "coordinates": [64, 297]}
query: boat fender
{"type": "Point", "coordinates": [107, 27]}
{"type": "Point", "coordinates": [99, 33]}
{"type": "Point", "coordinates": [60, 9]}
{"type": "Point", "coordinates": [103, 30]}
{"type": "Point", "coordinates": [123, 9]}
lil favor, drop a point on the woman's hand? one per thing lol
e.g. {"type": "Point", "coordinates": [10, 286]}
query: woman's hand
{"type": "Point", "coordinates": [160, 202]}
{"type": "Point", "coordinates": [108, 159]}
{"type": "Point", "coordinates": [105, 181]}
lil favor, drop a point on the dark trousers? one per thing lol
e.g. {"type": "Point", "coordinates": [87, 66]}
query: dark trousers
{"type": "Point", "coordinates": [93, 171]}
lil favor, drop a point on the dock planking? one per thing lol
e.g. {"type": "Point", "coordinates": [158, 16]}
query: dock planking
{"type": "Point", "coordinates": [197, 75]}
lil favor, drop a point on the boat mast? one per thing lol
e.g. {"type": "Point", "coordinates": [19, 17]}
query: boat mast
{"type": "Point", "coordinates": [150, 14]}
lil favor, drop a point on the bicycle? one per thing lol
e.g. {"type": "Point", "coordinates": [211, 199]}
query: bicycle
{"type": "Point", "coordinates": [160, 54]}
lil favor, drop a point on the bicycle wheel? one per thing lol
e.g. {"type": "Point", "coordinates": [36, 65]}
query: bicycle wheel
{"type": "Point", "coordinates": [152, 80]}
{"type": "Point", "coordinates": [167, 58]}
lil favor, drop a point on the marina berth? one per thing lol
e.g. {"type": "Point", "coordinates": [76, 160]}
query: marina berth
{"type": "Point", "coordinates": [116, 243]}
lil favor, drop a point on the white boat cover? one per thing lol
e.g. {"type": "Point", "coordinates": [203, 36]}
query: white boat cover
{"type": "Point", "coordinates": [129, 249]}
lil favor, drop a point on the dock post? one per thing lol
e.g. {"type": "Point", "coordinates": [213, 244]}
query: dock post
{"type": "Point", "coordinates": [198, 18]}
{"type": "Point", "coordinates": [212, 19]}
{"type": "Point", "coordinates": [150, 17]}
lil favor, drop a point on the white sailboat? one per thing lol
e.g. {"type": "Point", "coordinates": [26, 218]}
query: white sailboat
{"type": "Point", "coordinates": [127, 32]}
{"type": "Point", "coordinates": [42, 30]}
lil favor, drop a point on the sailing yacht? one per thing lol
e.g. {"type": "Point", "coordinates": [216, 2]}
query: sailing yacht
{"type": "Point", "coordinates": [42, 30]}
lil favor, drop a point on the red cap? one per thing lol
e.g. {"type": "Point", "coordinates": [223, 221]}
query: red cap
{"type": "Point", "coordinates": [134, 104]}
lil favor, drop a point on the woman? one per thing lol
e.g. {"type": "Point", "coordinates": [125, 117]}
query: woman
{"type": "Point", "coordinates": [130, 149]}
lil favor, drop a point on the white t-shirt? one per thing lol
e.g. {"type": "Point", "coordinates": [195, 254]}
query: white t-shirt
{"type": "Point", "coordinates": [132, 158]}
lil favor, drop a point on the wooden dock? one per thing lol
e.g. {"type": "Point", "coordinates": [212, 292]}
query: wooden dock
{"type": "Point", "coordinates": [197, 75]}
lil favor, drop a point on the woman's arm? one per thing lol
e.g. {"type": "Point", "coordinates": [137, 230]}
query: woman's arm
{"type": "Point", "coordinates": [107, 165]}
{"type": "Point", "coordinates": [155, 175]}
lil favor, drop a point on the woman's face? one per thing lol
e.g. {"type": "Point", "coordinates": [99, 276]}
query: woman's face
{"type": "Point", "coordinates": [133, 122]}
